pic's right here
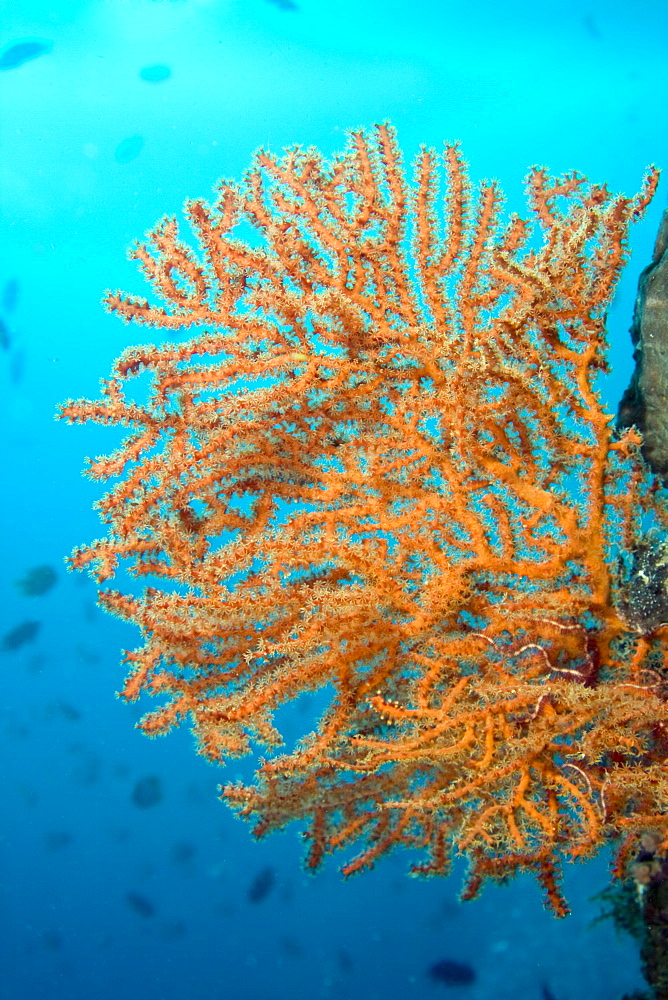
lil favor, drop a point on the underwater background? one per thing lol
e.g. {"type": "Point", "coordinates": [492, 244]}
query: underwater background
{"type": "Point", "coordinates": [122, 875]}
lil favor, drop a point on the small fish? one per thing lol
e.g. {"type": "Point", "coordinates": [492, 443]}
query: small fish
{"type": "Point", "coordinates": [129, 149]}
{"type": "Point", "coordinates": [140, 904]}
{"type": "Point", "coordinates": [291, 947]}
{"type": "Point", "coordinates": [22, 52]}
{"type": "Point", "coordinates": [10, 295]}
{"type": "Point", "coordinates": [57, 840]}
{"type": "Point", "coordinates": [63, 710]}
{"type": "Point", "coordinates": [182, 852]}
{"type": "Point", "coordinates": [173, 930]}
{"type": "Point", "coordinates": [147, 792]}
{"type": "Point", "coordinates": [261, 885]}
{"type": "Point", "coordinates": [155, 74]}
{"type": "Point", "coordinates": [19, 636]}
{"type": "Point", "coordinates": [37, 581]}
{"type": "Point", "coordinates": [452, 973]}
{"type": "Point", "coordinates": [590, 26]}
{"type": "Point", "coordinates": [16, 366]}
{"type": "Point", "coordinates": [5, 339]}
{"type": "Point", "coordinates": [52, 940]}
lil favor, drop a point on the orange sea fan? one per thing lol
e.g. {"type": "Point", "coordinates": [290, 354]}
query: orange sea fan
{"type": "Point", "coordinates": [382, 470]}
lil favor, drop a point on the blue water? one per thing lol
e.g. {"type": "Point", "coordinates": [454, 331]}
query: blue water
{"type": "Point", "coordinates": [122, 874]}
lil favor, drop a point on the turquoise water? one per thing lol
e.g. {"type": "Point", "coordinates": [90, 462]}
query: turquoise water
{"type": "Point", "coordinates": [122, 873]}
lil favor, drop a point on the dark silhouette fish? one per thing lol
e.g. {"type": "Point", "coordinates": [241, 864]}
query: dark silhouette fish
{"type": "Point", "coordinates": [452, 973]}
{"type": "Point", "coordinates": [56, 840]}
{"type": "Point", "coordinates": [37, 581]}
{"type": "Point", "coordinates": [182, 852]}
{"type": "Point", "coordinates": [22, 52]}
{"type": "Point", "coordinates": [147, 792]}
{"type": "Point", "coordinates": [63, 710]}
{"type": "Point", "coordinates": [19, 636]}
{"type": "Point", "coordinates": [5, 339]}
{"type": "Point", "coordinates": [140, 904]}
{"type": "Point", "coordinates": [261, 885]}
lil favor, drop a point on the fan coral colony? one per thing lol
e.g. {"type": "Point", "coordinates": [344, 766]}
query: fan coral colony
{"type": "Point", "coordinates": [382, 471]}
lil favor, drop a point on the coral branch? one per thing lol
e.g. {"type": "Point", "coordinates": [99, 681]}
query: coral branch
{"type": "Point", "coordinates": [382, 471]}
